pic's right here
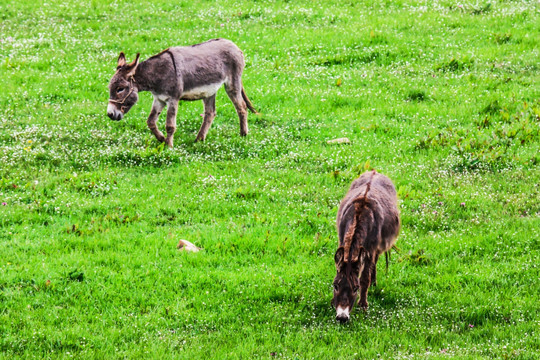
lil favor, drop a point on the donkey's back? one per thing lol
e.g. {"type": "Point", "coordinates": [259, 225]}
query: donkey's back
{"type": "Point", "coordinates": [211, 48]}
{"type": "Point", "coordinates": [381, 197]}
{"type": "Point", "coordinates": [214, 62]}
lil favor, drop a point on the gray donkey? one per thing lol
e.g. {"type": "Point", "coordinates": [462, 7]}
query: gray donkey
{"type": "Point", "coordinates": [181, 73]}
{"type": "Point", "coordinates": [368, 225]}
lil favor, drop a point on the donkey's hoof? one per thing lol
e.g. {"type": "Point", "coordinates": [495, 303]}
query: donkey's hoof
{"type": "Point", "coordinates": [364, 306]}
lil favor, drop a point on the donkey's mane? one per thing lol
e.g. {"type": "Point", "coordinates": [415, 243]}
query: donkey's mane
{"type": "Point", "coordinates": [159, 54]}
{"type": "Point", "coordinates": [357, 230]}
{"type": "Point", "coordinates": [207, 41]}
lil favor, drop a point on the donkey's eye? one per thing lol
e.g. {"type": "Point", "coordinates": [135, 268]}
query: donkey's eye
{"type": "Point", "coordinates": [336, 288]}
{"type": "Point", "coordinates": [119, 90]}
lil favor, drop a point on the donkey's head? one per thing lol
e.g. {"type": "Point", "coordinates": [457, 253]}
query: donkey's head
{"type": "Point", "coordinates": [122, 88]}
{"type": "Point", "coordinates": [346, 282]}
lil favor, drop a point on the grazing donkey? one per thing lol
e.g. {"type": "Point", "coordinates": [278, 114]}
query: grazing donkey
{"type": "Point", "coordinates": [181, 73]}
{"type": "Point", "coordinates": [368, 225]}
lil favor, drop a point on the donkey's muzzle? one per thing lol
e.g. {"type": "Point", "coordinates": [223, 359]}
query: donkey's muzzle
{"type": "Point", "coordinates": [113, 113]}
{"type": "Point", "coordinates": [115, 117]}
{"type": "Point", "coordinates": [342, 314]}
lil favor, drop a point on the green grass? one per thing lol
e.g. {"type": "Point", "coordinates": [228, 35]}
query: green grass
{"type": "Point", "coordinates": [442, 97]}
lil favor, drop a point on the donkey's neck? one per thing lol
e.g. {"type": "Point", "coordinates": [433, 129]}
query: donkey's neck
{"type": "Point", "coordinates": [142, 78]}
{"type": "Point", "coordinates": [358, 228]}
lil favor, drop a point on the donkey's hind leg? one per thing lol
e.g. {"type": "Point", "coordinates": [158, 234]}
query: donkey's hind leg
{"type": "Point", "coordinates": [234, 90]}
{"type": "Point", "coordinates": [209, 115]}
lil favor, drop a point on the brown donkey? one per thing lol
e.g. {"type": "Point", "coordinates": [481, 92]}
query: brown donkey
{"type": "Point", "coordinates": [181, 73]}
{"type": "Point", "coordinates": [368, 225]}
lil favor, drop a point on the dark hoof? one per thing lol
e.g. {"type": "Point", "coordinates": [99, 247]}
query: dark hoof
{"type": "Point", "coordinates": [363, 306]}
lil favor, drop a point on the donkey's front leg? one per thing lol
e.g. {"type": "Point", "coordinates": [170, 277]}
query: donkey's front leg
{"type": "Point", "coordinates": [209, 115]}
{"type": "Point", "coordinates": [365, 282]}
{"type": "Point", "coordinates": [170, 126]}
{"type": "Point", "coordinates": [157, 107]}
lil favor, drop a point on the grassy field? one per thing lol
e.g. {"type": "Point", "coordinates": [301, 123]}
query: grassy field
{"type": "Point", "coordinates": [441, 96]}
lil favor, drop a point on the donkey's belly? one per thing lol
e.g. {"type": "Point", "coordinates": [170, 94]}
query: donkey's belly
{"type": "Point", "coordinates": [201, 92]}
{"type": "Point", "coordinates": [387, 243]}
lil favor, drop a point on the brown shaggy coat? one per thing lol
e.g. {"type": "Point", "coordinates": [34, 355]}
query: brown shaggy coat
{"type": "Point", "coordinates": [368, 224]}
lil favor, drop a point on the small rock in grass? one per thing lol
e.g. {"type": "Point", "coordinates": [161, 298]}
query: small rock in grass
{"type": "Point", "coordinates": [339, 141]}
{"type": "Point", "coordinates": [187, 246]}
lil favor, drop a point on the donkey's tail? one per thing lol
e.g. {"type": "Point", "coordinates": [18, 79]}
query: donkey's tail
{"type": "Point", "coordinates": [388, 255]}
{"type": "Point", "coordinates": [248, 103]}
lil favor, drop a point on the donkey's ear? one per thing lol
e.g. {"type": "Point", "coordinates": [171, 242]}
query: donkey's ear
{"type": "Point", "coordinates": [338, 258]}
{"type": "Point", "coordinates": [121, 60]}
{"type": "Point", "coordinates": [131, 68]}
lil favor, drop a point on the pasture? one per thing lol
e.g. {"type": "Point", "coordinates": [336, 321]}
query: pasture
{"type": "Point", "coordinates": [441, 96]}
